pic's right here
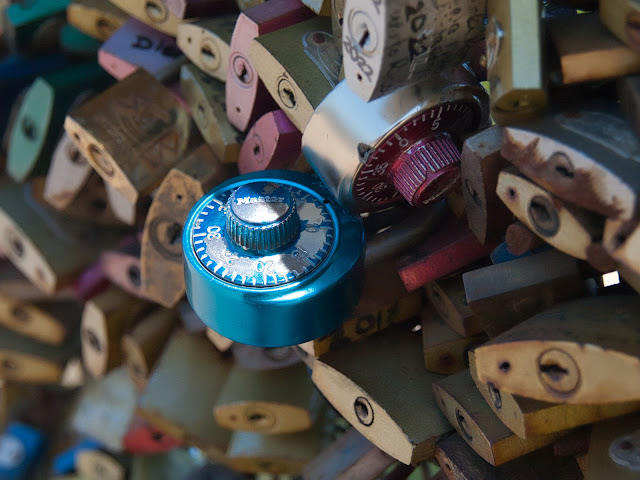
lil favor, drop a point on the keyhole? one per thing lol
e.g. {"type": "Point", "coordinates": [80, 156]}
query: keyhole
{"type": "Point", "coordinates": [256, 417]}
{"type": "Point", "coordinates": [256, 150]}
{"type": "Point", "coordinates": [75, 157]}
{"type": "Point", "coordinates": [543, 216]}
{"type": "Point", "coordinates": [155, 12]}
{"type": "Point", "coordinates": [462, 423]}
{"type": "Point", "coordinates": [17, 247]}
{"type": "Point", "coordinates": [8, 364]}
{"type": "Point", "coordinates": [364, 38]}
{"type": "Point", "coordinates": [364, 411]}
{"type": "Point", "coordinates": [208, 54]}
{"type": "Point", "coordinates": [554, 371]}
{"type": "Point", "coordinates": [244, 74]}
{"type": "Point", "coordinates": [173, 233]}
{"type": "Point", "coordinates": [472, 192]}
{"type": "Point", "coordinates": [105, 27]}
{"type": "Point", "coordinates": [134, 275]}
{"type": "Point", "coordinates": [29, 129]}
{"type": "Point", "coordinates": [288, 97]}
{"type": "Point", "coordinates": [93, 340]}
{"type": "Point", "coordinates": [98, 205]}
{"type": "Point", "coordinates": [20, 313]}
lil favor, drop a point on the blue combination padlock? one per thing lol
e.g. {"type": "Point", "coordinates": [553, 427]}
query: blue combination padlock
{"type": "Point", "coordinates": [271, 261]}
{"type": "Point", "coordinates": [20, 447]}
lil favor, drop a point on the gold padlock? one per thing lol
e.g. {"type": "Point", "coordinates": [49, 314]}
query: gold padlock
{"type": "Point", "coordinates": [516, 78]}
{"type": "Point", "coordinates": [132, 134]}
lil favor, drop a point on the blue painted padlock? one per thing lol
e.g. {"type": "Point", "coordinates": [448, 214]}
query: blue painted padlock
{"type": "Point", "coordinates": [271, 261]}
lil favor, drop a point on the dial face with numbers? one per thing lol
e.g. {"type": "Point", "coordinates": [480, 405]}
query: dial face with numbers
{"type": "Point", "coordinates": [373, 184]}
{"type": "Point", "coordinates": [222, 258]}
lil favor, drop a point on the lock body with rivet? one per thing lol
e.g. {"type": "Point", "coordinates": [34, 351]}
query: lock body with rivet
{"type": "Point", "coordinates": [480, 164]}
{"type": "Point", "coordinates": [445, 351]}
{"type": "Point", "coordinates": [161, 264]}
{"type": "Point", "coordinates": [517, 79]}
{"type": "Point", "coordinates": [528, 418]}
{"type": "Point", "coordinates": [246, 96]}
{"type": "Point", "coordinates": [264, 251]}
{"type": "Point", "coordinates": [272, 143]}
{"type": "Point", "coordinates": [96, 18]}
{"type": "Point", "coordinates": [206, 43]}
{"type": "Point", "coordinates": [587, 157]}
{"type": "Point", "coordinates": [570, 229]}
{"type": "Point", "coordinates": [390, 44]}
{"type": "Point", "coordinates": [403, 145]}
{"type": "Point", "coordinates": [37, 126]}
{"type": "Point", "coordinates": [507, 293]}
{"type": "Point", "coordinates": [47, 248]}
{"type": "Point", "coordinates": [132, 134]}
{"type": "Point", "coordinates": [395, 409]}
{"type": "Point", "coordinates": [152, 12]}
{"type": "Point", "coordinates": [299, 65]}
{"type": "Point", "coordinates": [466, 409]}
{"type": "Point", "coordinates": [206, 98]}
{"type": "Point", "coordinates": [567, 353]}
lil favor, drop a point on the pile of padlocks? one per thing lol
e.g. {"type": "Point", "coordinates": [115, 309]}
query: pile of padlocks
{"type": "Point", "coordinates": [320, 239]}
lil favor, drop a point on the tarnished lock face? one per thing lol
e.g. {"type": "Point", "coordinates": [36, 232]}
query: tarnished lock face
{"type": "Point", "coordinates": [388, 44]}
{"type": "Point", "coordinates": [373, 154]}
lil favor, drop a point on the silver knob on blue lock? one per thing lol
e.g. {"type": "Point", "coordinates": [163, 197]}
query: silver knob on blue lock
{"type": "Point", "coordinates": [271, 261]}
{"type": "Point", "coordinates": [262, 218]}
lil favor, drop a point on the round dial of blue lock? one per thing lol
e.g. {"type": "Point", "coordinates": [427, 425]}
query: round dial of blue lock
{"type": "Point", "coordinates": [271, 261]}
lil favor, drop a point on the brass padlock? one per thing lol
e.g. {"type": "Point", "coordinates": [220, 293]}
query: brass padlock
{"type": "Point", "coordinates": [206, 98]}
{"type": "Point", "coordinates": [408, 429]}
{"type": "Point", "coordinates": [507, 293]}
{"type": "Point", "coordinates": [97, 18]}
{"type": "Point", "coordinates": [517, 79]}
{"type": "Point", "coordinates": [480, 164]}
{"type": "Point", "coordinates": [388, 44]}
{"type": "Point", "coordinates": [206, 43]}
{"type": "Point", "coordinates": [143, 344]}
{"type": "Point", "coordinates": [188, 363]}
{"type": "Point", "coordinates": [246, 96]}
{"type": "Point", "coordinates": [529, 418]}
{"type": "Point", "coordinates": [132, 134]}
{"type": "Point", "coordinates": [161, 247]}
{"type": "Point", "coordinates": [270, 402]}
{"type": "Point", "coordinates": [586, 156]}
{"type": "Point", "coordinates": [445, 351]}
{"type": "Point", "coordinates": [550, 356]}
{"type": "Point", "coordinates": [68, 173]}
{"type": "Point", "coordinates": [448, 298]}
{"type": "Point", "coordinates": [152, 12]}
{"type": "Point", "coordinates": [47, 248]}
{"type": "Point", "coordinates": [570, 229]}
{"type": "Point", "coordinates": [299, 65]}
{"type": "Point", "coordinates": [473, 419]}
{"type": "Point", "coordinates": [105, 319]}
{"type": "Point", "coordinates": [587, 51]}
